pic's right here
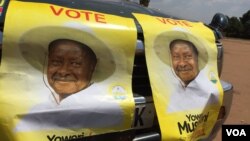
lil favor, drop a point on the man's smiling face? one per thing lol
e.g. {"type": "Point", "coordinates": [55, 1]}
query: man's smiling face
{"type": "Point", "coordinates": [70, 68]}
{"type": "Point", "coordinates": [184, 61]}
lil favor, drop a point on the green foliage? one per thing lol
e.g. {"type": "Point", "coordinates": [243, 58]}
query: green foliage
{"type": "Point", "coordinates": [234, 28]}
{"type": "Point", "coordinates": [245, 20]}
{"type": "Point", "coordinates": [239, 27]}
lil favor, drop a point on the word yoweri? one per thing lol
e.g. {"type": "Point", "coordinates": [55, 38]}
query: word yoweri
{"type": "Point", "coordinates": [192, 122]}
{"type": "Point", "coordinates": [65, 138]}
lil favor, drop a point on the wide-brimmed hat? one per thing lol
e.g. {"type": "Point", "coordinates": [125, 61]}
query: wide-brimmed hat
{"type": "Point", "coordinates": [162, 43]}
{"type": "Point", "coordinates": [34, 47]}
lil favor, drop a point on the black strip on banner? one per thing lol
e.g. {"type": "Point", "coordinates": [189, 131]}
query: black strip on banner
{"type": "Point", "coordinates": [235, 132]}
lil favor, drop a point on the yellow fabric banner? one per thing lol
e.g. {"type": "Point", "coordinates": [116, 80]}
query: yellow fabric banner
{"type": "Point", "coordinates": [182, 63]}
{"type": "Point", "coordinates": [65, 73]}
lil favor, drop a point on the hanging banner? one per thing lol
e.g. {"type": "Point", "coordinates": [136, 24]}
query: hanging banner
{"type": "Point", "coordinates": [181, 60]}
{"type": "Point", "coordinates": [65, 73]}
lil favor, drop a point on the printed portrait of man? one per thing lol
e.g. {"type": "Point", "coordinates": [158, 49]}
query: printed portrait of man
{"type": "Point", "coordinates": [72, 89]}
{"type": "Point", "coordinates": [70, 66]}
{"type": "Point", "coordinates": [191, 83]}
{"type": "Point", "coordinates": [184, 57]}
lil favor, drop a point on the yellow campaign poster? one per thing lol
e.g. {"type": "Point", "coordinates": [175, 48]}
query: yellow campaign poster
{"type": "Point", "coordinates": [181, 60]}
{"type": "Point", "coordinates": [65, 73]}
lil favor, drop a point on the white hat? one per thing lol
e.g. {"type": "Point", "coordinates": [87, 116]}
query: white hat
{"type": "Point", "coordinates": [34, 47]}
{"type": "Point", "coordinates": [162, 49]}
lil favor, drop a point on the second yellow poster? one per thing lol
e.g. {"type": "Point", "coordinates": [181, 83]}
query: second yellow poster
{"type": "Point", "coordinates": [181, 60]}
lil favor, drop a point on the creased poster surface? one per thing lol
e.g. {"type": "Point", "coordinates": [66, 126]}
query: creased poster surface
{"type": "Point", "coordinates": [181, 60]}
{"type": "Point", "coordinates": [65, 73]}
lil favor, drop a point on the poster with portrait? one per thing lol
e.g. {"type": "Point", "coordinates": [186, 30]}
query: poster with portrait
{"type": "Point", "coordinates": [65, 72]}
{"type": "Point", "coordinates": [181, 60]}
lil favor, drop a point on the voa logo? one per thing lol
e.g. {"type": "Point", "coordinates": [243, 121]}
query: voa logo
{"type": "Point", "coordinates": [236, 132]}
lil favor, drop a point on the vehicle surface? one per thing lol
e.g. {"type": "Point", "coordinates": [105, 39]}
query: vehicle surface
{"type": "Point", "coordinates": [145, 126]}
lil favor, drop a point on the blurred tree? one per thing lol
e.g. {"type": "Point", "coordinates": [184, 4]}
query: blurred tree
{"type": "Point", "coordinates": [234, 28]}
{"type": "Point", "coordinates": [144, 2]}
{"type": "Point", "coordinates": [245, 20]}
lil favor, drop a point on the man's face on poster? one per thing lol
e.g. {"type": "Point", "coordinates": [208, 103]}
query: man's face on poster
{"type": "Point", "coordinates": [70, 68]}
{"type": "Point", "coordinates": [184, 60]}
